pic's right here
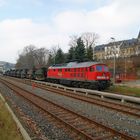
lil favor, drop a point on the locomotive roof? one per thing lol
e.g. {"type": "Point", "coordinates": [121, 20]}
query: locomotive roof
{"type": "Point", "coordinates": [75, 65]}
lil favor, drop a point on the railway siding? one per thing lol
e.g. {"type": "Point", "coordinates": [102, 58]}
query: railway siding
{"type": "Point", "coordinates": [43, 103]}
{"type": "Point", "coordinates": [46, 127]}
{"type": "Point", "coordinates": [121, 122]}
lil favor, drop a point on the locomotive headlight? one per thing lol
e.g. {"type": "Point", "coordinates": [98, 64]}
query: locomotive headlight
{"type": "Point", "coordinates": [102, 77]}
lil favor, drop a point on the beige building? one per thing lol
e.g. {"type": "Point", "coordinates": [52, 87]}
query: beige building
{"type": "Point", "coordinates": [124, 48]}
{"type": "Point", "coordinates": [99, 52]}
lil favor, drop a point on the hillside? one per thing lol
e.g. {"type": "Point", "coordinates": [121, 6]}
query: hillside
{"type": "Point", "coordinates": [6, 65]}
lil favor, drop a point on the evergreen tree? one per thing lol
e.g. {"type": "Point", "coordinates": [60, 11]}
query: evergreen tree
{"type": "Point", "coordinates": [59, 58]}
{"type": "Point", "coordinates": [71, 54]}
{"type": "Point", "coordinates": [80, 50]}
{"type": "Point", "coordinates": [89, 53]}
{"type": "Point", "coordinates": [50, 60]}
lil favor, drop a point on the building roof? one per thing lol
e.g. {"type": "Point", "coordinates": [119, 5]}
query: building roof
{"type": "Point", "coordinates": [139, 35]}
{"type": "Point", "coordinates": [128, 43]}
{"type": "Point", "coordinates": [123, 43]}
{"type": "Point", "coordinates": [76, 65]}
{"type": "Point", "coordinates": [100, 47]}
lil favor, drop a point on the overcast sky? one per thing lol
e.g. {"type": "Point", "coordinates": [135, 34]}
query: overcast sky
{"type": "Point", "coordinates": [45, 23]}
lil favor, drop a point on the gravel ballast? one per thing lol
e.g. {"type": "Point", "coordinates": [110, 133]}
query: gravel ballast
{"type": "Point", "coordinates": [47, 129]}
{"type": "Point", "coordinates": [119, 121]}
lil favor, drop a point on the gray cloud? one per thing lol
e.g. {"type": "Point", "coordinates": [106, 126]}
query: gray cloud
{"type": "Point", "coordinates": [119, 19]}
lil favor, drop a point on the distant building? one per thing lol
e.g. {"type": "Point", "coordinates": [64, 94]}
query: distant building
{"type": "Point", "coordinates": [124, 48]}
{"type": "Point", "coordinates": [99, 52]}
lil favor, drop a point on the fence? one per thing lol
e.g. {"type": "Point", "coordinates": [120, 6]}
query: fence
{"type": "Point", "coordinates": [126, 77]}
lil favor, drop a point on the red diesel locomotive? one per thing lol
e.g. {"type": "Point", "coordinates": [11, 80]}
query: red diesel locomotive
{"type": "Point", "coordinates": [92, 75]}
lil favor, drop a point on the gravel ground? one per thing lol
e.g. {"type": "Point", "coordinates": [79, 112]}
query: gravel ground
{"type": "Point", "coordinates": [45, 127]}
{"type": "Point", "coordinates": [119, 121]}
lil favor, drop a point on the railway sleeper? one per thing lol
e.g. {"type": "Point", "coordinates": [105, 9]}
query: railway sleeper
{"type": "Point", "coordinates": [65, 116]}
{"type": "Point", "coordinates": [88, 127]}
{"type": "Point", "coordinates": [70, 118]}
{"type": "Point", "coordinates": [105, 137]}
{"type": "Point", "coordinates": [57, 117]}
{"type": "Point", "coordinates": [98, 133]}
{"type": "Point", "coordinates": [60, 112]}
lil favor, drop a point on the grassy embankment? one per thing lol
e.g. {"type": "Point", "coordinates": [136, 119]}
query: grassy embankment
{"type": "Point", "coordinates": [126, 90]}
{"type": "Point", "coordinates": [8, 129]}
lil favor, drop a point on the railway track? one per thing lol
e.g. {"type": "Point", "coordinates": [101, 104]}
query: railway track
{"type": "Point", "coordinates": [134, 111]}
{"type": "Point", "coordinates": [82, 127]}
{"type": "Point", "coordinates": [130, 110]}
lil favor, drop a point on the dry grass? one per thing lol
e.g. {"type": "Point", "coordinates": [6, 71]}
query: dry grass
{"type": "Point", "coordinates": [8, 129]}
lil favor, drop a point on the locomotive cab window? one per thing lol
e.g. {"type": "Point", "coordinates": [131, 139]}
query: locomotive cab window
{"type": "Point", "coordinates": [99, 68]}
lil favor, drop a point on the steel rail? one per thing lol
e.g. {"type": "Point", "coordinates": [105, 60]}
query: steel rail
{"type": "Point", "coordinates": [134, 111]}
{"type": "Point", "coordinates": [82, 133]}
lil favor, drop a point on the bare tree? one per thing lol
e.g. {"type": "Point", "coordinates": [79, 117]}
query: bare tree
{"type": "Point", "coordinates": [41, 57]}
{"type": "Point", "coordinates": [89, 39]}
{"type": "Point", "coordinates": [73, 41]}
{"type": "Point", "coordinates": [53, 52]}
{"type": "Point", "coordinates": [26, 57]}
{"type": "Point", "coordinates": [32, 57]}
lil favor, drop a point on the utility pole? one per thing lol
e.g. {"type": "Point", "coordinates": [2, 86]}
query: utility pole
{"type": "Point", "coordinates": [114, 64]}
{"type": "Point", "coordinates": [125, 67]}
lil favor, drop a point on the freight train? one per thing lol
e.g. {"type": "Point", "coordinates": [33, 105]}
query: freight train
{"type": "Point", "coordinates": [91, 75]}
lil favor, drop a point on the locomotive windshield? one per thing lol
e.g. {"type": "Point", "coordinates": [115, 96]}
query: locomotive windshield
{"type": "Point", "coordinates": [99, 68]}
{"type": "Point", "coordinates": [102, 68]}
